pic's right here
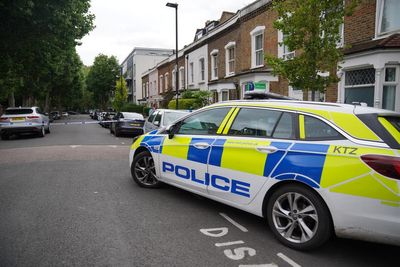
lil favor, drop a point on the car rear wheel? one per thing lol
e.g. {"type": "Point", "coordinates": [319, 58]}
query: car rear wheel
{"type": "Point", "coordinates": [5, 136]}
{"type": "Point", "coordinates": [48, 129]}
{"type": "Point", "coordinates": [116, 132]}
{"type": "Point", "coordinates": [42, 132]}
{"type": "Point", "coordinates": [143, 170]}
{"type": "Point", "coordinates": [298, 217]}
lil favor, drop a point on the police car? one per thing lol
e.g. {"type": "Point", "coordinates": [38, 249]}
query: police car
{"type": "Point", "coordinates": [311, 169]}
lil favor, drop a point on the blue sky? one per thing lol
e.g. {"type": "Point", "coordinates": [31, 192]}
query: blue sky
{"type": "Point", "coordinates": [122, 25]}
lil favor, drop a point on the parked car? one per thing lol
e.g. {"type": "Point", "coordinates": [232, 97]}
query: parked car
{"type": "Point", "coordinates": [129, 123]}
{"type": "Point", "coordinates": [56, 115]}
{"type": "Point", "coordinates": [310, 169]}
{"type": "Point", "coordinates": [161, 118]}
{"type": "Point", "coordinates": [107, 118]}
{"type": "Point", "coordinates": [23, 120]}
{"type": "Point", "coordinates": [65, 114]}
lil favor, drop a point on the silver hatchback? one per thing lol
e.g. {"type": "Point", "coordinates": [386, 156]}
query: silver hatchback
{"type": "Point", "coordinates": [23, 120]}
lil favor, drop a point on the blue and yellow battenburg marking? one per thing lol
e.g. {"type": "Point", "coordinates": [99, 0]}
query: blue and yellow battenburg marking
{"type": "Point", "coordinates": [337, 168]}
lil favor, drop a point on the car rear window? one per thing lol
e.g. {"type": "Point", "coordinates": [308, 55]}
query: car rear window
{"type": "Point", "coordinates": [18, 111]}
{"type": "Point", "coordinates": [387, 127]}
{"type": "Point", "coordinates": [133, 116]}
{"type": "Point", "coordinates": [392, 125]}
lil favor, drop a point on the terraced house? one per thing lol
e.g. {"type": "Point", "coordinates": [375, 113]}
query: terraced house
{"type": "Point", "coordinates": [227, 57]}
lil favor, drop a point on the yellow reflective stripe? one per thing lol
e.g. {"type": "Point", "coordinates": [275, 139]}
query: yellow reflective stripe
{"type": "Point", "coordinates": [229, 123]}
{"type": "Point", "coordinates": [242, 155]}
{"type": "Point", "coordinates": [301, 127]}
{"type": "Point", "coordinates": [221, 127]}
{"type": "Point", "coordinates": [354, 126]}
{"type": "Point", "coordinates": [390, 128]}
{"type": "Point", "coordinates": [136, 144]}
{"type": "Point", "coordinates": [177, 147]}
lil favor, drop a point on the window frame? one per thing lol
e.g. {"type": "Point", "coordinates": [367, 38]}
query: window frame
{"type": "Point", "coordinates": [202, 68]}
{"type": "Point", "coordinates": [161, 84]}
{"type": "Point", "coordinates": [214, 64]}
{"type": "Point", "coordinates": [394, 83]}
{"type": "Point", "coordinates": [191, 69]}
{"type": "Point", "coordinates": [379, 17]}
{"type": "Point", "coordinates": [342, 137]}
{"type": "Point", "coordinates": [166, 76]}
{"type": "Point", "coordinates": [181, 78]}
{"type": "Point", "coordinates": [256, 32]}
{"type": "Point", "coordinates": [281, 48]}
{"type": "Point", "coordinates": [228, 61]}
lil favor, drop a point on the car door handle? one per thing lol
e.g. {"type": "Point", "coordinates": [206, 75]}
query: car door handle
{"type": "Point", "coordinates": [201, 145]}
{"type": "Point", "coordinates": [267, 149]}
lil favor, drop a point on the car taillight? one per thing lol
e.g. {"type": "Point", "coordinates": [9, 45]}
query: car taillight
{"type": "Point", "coordinates": [4, 119]}
{"type": "Point", "coordinates": [32, 117]}
{"type": "Point", "coordinates": [385, 165]}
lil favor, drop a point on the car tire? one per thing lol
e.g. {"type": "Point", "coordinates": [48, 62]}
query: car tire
{"type": "Point", "coordinates": [42, 132]}
{"type": "Point", "coordinates": [111, 131]}
{"type": "Point", "coordinates": [48, 129]}
{"type": "Point", "coordinates": [5, 136]}
{"type": "Point", "coordinates": [143, 170]}
{"type": "Point", "coordinates": [298, 217]}
{"type": "Point", "coordinates": [117, 133]}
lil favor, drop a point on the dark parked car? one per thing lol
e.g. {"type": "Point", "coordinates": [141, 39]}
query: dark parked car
{"type": "Point", "coordinates": [55, 115]}
{"type": "Point", "coordinates": [107, 118]}
{"type": "Point", "coordinates": [128, 123]}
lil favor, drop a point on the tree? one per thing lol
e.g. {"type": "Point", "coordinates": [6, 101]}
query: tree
{"type": "Point", "coordinates": [312, 28]}
{"type": "Point", "coordinates": [37, 38]}
{"type": "Point", "coordinates": [101, 79]}
{"type": "Point", "coordinates": [121, 94]}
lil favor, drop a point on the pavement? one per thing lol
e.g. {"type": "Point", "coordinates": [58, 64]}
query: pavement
{"type": "Point", "coordinates": [68, 199]}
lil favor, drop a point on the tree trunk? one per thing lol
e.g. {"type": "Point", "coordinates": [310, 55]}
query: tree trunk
{"type": "Point", "coordinates": [312, 95]}
{"type": "Point", "coordinates": [11, 99]}
{"type": "Point", "coordinates": [47, 103]}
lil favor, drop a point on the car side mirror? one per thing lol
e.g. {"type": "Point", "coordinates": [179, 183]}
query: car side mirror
{"type": "Point", "coordinates": [170, 131]}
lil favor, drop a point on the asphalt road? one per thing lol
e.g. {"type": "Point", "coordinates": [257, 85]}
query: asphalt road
{"type": "Point", "coordinates": [68, 200]}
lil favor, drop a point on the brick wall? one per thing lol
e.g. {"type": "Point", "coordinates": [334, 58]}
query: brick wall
{"type": "Point", "coordinates": [360, 26]}
{"type": "Point", "coordinates": [219, 43]}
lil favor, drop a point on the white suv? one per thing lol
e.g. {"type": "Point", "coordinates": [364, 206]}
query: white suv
{"type": "Point", "coordinates": [23, 120]}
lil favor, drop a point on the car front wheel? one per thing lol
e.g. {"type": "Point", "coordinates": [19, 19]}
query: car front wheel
{"type": "Point", "coordinates": [143, 170]}
{"type": "Point", "coordinates": [298, 217]}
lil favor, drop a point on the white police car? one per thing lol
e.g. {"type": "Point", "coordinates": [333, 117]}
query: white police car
{"type": "Point", "coordinates": [311, 169]}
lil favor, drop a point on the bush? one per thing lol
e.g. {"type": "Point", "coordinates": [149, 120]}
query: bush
{"type": "Point", "coordinates": [129, 107]}
{"type": "Point", "coordinates": [189, 103]}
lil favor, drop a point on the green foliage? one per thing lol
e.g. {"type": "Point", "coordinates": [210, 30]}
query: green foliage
{"type": "Point", "coordinates": [311, 28]}
{"type": "Point", "coordinates": [121, 94]}
{"type": "Point", "coordinates": [38, 61]}
{"type": "Point", "coordinates": [129, 107]}
{"type": "Point", "coordinates": [187, 103]}
{"type": "Point", "coordinates": [191, 100]}
{"type": "Point", "coordinates": [101, 79]}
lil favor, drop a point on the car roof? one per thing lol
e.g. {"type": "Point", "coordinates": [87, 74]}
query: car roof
{"type": "Point", "coordinates": [9, 108]}
{"type": "Point", "coordinates": [342, 115]}
{"type": "Point", "coordinates": [172, 110]}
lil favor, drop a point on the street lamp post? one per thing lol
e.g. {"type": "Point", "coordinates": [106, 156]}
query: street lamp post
{"type": "Point", "coordinates": [175, 5]}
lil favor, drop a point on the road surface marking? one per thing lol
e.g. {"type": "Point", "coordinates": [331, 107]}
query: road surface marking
{"type": "Point", "coordinates": [229, 243]}
{"type": "Point", "coordinates": [259, 265]}
{"type": "Point", "coordinates": [288, 260]}
{"type": "Point", "coordinates": [242, 228]}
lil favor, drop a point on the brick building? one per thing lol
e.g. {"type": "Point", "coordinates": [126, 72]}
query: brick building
{"type": "Point", "coordinates": [370, 72]}
{"type": "Point", "coordinates": [227, 57]}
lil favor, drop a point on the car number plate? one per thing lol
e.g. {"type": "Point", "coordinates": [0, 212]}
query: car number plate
{"type": "Point", "coordinates": [18, 119]}
{"type": "Point", "coordinates": [135, 124]}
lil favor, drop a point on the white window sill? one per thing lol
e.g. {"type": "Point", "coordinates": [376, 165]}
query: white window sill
{"type": "Point", "coordinates": [202, 82]}
{"type": "Point", "coordinates": [229, 75]}
{"type": "Point", "coordinates": [256, 67]}
{"type": "Point", "coordinates": [214, 79]}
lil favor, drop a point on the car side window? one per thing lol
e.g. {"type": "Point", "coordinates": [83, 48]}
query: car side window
{"type": "Point", "coordinates": [204, 123]}
{"type": "Point", "coordinates": [151, 117]}
{"type": "Point", "coordinates": [157, 119]}
{"type": "Point", "coordinates": [315, 129]}
{"type": "Point", "coordinates": [255, 122]}
{"type": "Point", "coordinates": [285, 128]}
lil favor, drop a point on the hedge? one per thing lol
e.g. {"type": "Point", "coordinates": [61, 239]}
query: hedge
{"type": "Point", "coordinates": [187, 103]}
{"type": "Point", "coordinates": [129, 107]}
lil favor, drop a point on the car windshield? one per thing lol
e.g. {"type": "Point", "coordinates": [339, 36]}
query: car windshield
{"type": "Point", "coordinates": [18, 111]}
{"type": "Point", "coordinates": [170, 117]}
